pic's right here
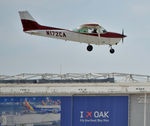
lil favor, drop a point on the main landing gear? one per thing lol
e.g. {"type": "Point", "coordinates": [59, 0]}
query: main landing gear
{"type": "Point", "coordinates": [111, 50]}
{"type": "Point", "coordinates": [89, 47]}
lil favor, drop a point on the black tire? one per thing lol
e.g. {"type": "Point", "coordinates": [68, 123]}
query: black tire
{"type": "Point", "coordinates": [89, 47]}
{"type": "Point", "coordinates": [112, 51]}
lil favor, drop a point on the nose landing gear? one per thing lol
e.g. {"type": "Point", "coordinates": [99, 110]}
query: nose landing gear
{"type": "Point", "coordinates": [89, 47]}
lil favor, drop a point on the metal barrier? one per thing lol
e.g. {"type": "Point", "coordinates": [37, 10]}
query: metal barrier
{"type": "Point", "coordinates": [74, 77]}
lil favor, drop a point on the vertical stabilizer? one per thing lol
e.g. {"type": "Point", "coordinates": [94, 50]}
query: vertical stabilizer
{"type": "Point", "coordinates": [28, 22]}
{"type": "Point", "coordinates": [28, 105]}
{"type": "Point", "coordinates": [25, 15]}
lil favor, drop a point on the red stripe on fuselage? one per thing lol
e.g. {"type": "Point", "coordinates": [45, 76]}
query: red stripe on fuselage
{"type": "Point", "coordinates": [32, 25]}
{"type": "Point", "coordinates": [112, 35]}
{"type": "Point", "coordinates": [106, 35]}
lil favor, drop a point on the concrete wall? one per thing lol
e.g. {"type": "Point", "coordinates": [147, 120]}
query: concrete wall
{"type": "Point", "coordinates": [136, 110]}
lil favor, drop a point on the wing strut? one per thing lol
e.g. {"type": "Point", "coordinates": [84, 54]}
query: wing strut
{"type": "Point", "coordinates": [98, 28]}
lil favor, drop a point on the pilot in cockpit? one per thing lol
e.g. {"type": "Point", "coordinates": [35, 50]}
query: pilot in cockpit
{"type": "Point", "coordinates": [94, 30]}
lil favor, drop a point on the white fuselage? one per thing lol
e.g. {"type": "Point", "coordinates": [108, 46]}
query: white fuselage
{"type": "Point", "coordinates": [68, 35]}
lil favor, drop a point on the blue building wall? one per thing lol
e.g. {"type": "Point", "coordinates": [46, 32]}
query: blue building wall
{"type": "Point", "coordinates": [75, 110]}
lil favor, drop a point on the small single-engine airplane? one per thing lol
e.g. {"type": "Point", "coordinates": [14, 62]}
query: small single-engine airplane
{"type": "Point", "coordinates": [87, 33]}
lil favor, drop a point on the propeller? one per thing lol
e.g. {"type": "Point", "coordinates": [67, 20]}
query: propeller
{"type": "Point", "coordinates": [123, 35]}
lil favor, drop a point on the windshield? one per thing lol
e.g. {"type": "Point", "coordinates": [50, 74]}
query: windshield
{"type": "Point", "coordinates": [102, 30]}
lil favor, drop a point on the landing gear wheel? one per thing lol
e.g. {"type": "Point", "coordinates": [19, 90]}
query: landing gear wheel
{"type": "Point", "coordinates": [112, 50]}
{"type": "Point", "coordinates": [89, 47]}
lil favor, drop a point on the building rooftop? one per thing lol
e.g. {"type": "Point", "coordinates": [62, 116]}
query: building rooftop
{"type": "Point", "coordinates": [74, 78]}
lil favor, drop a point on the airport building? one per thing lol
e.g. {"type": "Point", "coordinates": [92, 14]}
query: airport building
{"type": "Point", "coordinates": [72, 99]}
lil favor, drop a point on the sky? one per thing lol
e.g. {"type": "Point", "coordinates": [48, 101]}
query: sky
{"type": "Point", "coordinates": [24, 53]}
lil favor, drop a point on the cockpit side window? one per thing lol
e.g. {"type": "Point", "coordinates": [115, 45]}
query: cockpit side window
{"type": "Point", "coordinates": [83, 30]}
{"type": "Point", "coordinates": [86, 30]}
